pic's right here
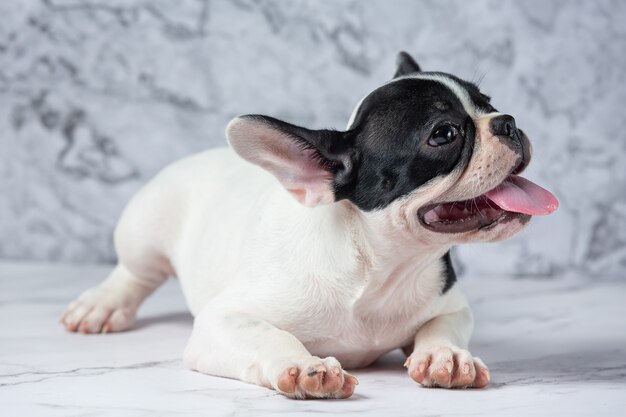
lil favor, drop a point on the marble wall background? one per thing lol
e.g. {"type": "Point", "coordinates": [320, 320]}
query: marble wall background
{"type": "Point", "coordinates": [96, 96]}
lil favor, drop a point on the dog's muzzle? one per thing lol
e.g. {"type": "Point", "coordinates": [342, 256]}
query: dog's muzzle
{"type": "Point", "coordinates": [504, 127]}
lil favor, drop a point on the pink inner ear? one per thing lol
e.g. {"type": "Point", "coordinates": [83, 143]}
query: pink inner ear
{"type": "Point", "coordinates": [296, 168]}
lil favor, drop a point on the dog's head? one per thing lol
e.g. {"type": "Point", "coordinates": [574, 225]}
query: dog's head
{"type": "Point", "coordinates": [425, 151]}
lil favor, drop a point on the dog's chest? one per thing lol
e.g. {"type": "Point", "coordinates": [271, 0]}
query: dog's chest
{"type": "Point", "coordinates": [375, 318]}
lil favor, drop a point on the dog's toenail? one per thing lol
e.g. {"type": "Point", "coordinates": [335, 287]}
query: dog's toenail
{"type": "Point", "coordinates": [449, 367]}
{"type": "Point", "coordinates": [466, 368]}
{"type": "Point", "coordinates": [422, 367]}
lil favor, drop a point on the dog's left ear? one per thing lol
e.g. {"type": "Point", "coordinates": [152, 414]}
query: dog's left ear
{"type": "Point", "coordinates": [306, 162]}
{"type": "Point", "coordinates": [405, 64]}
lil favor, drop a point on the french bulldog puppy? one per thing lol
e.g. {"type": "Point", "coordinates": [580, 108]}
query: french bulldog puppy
{"type": "Point", "coordinates": [305, 252]}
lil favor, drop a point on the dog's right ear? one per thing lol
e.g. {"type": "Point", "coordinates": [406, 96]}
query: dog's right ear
{"type": "Point", "coordinates": [405, 64]}
{"type": "Point", "coordinates": [308, 163]}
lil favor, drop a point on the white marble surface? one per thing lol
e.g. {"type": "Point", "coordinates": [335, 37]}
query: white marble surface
{"type": "Point", "coordinates": [555, 348]}
{"type": "Point", "coordinates": [96, 96]}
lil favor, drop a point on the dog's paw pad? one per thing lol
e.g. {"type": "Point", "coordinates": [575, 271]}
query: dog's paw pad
{"type": "Point", "coordinates": [312, 380]}
{"type": "Point", "coordinates": [316, 378]}
{"type": "Point", "coordinates": [482, 374]}
{"type": "Point", "coordinates": [288, 379]}
{"type": "Point", "coordinates": [447, 367]}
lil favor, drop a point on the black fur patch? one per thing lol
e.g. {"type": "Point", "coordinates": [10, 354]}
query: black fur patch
{"type": "Point", "coordinates": [390, 135]}
{"type": "Point", "coordinates": [405, 64]}
{"type": "Point", "coordinates": [448, 274]}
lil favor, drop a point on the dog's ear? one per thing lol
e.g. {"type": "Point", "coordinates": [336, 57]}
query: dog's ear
{"type": "Point", "coordinates": [308, 163]}
{"type": "Point", "coordinates": [405, 64]}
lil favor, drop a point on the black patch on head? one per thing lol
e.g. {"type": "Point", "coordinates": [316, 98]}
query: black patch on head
{"type": "Point", "coordinates": [390, 134]}
{"type": "Point", "coordinates": [449, 274]}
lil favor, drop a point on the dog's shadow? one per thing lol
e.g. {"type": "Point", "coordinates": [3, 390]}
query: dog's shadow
{"type": "Point", "coordinates": [605, 363]}
{"type": "Point", "coordinates": [182, 318]}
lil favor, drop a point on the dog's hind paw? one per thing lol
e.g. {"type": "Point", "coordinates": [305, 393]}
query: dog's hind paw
{"type": "Point", "coordinates": [99, 310]}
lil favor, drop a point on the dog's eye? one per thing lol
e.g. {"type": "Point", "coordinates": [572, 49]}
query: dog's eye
{"type": "Point", "coordinates": [443, 135]}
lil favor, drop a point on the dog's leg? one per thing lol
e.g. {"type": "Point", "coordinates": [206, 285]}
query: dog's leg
{"type": "Point", "coordinates": [440, 357]}
{"type": "Point", "coordinates": [147, 222]}
{"type": "Point", "coordinates": [237, 345]}
{"type": "Point", "coordinates": [112, 305]}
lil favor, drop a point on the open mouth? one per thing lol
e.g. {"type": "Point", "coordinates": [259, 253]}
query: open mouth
{"type": "Point", "coordinates": [515, 197]}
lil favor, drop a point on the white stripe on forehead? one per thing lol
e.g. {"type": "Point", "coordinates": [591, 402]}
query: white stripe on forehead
{"type": "Point", "coordinates": [457, 89]}
{"type": "Point", "coordinates": [452, 85]}
{"type": "Point", "coordinates": [354, 112]}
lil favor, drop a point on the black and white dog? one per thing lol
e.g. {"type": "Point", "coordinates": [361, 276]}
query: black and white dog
{"type": "Point", "coordinates": [341, 260]}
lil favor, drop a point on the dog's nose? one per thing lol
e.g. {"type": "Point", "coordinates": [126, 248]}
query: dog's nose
{"type": "Point", "coordinates": [503, 125]}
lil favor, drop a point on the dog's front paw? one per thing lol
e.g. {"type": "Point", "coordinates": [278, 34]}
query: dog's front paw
{"type": "Point", "coordinates": [99, 310]}
{"type": "Point", "coordinates": [447, 367]}
{"type": "Point", "coordinates": [315, 378]}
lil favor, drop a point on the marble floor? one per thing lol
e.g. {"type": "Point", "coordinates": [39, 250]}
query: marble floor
{"type": "Point", "coordinates": [555, 348]}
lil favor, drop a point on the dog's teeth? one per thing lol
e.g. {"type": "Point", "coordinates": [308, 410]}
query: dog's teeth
{"type": "Point", "coordinates": [431, 217]}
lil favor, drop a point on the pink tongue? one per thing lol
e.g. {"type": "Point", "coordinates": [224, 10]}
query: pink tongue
{"type": "Point", "coordinates": [519, 195]}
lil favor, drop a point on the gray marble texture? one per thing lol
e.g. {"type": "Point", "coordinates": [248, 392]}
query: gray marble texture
{"type": "Point", "coordinates": [97, 96]}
